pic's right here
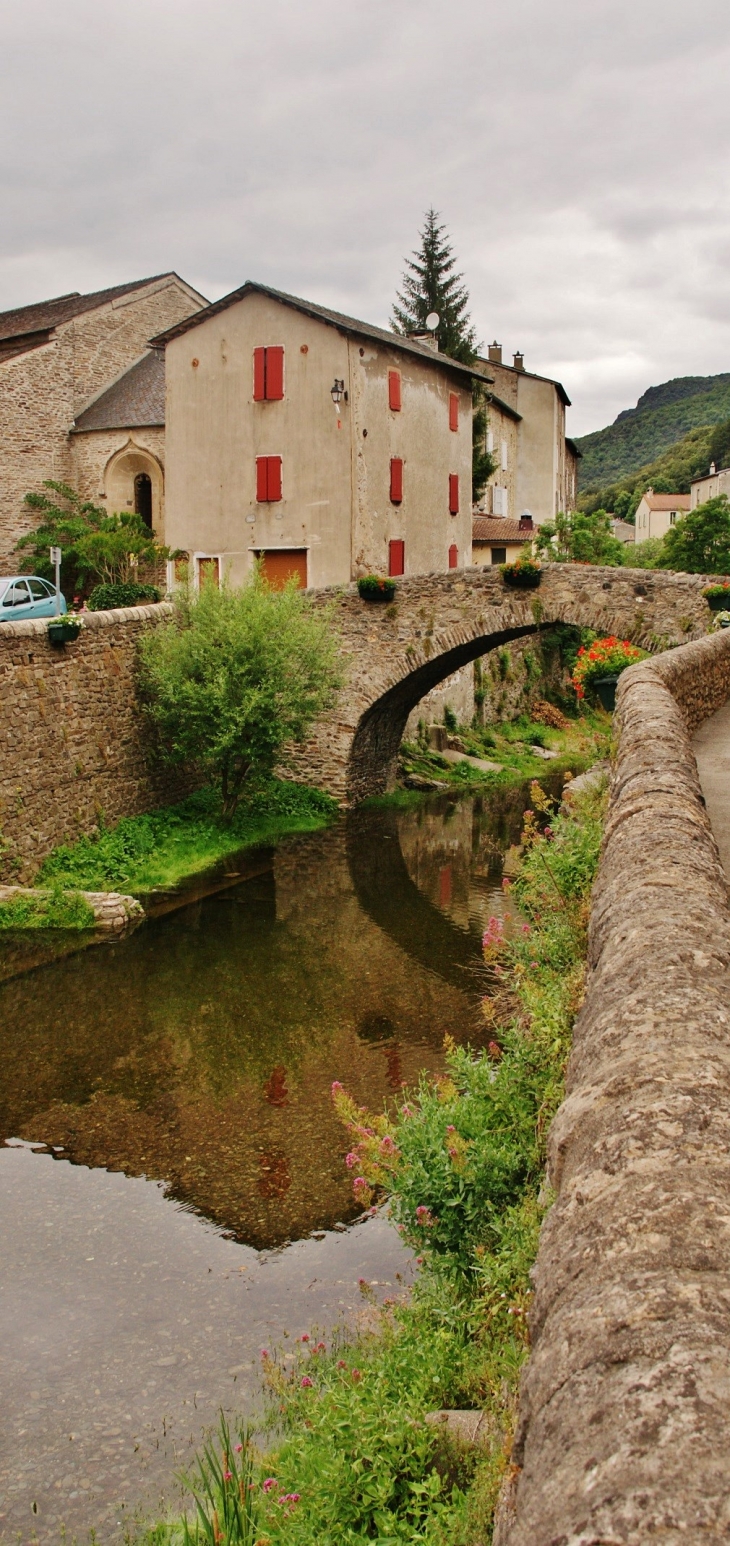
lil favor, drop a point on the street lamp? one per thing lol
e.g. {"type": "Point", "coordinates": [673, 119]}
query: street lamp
{"type": "Point", "coordinates": [337, 392]}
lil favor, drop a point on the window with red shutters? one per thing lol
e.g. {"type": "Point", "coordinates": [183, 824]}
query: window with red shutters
{"type": "Point", "coordinates": [268, 479]}
{"type": "Point", "coordinates": [453, 410]}
{"type": "Point", "coordinates": [268, 374]}
{"type": "Point", "coordinates": [453, 556]}
{"type": "Point", "coordinates": [454, 493]}
{"type": "Point", "coordinates": [394, 399]}
{"type": "Point", "coordinates": [396, 557]}
{"type": "Point", "coordinates": [396, 480]}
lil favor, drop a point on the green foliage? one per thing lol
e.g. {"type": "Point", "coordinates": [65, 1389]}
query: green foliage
{"type": "Point", "coordinates": [58, 910]}
{"type": "Point", "coordinates": [164, 847]}
{"type": "Point", "coordinates": [525, 572]}
{"type": "Point", "coordinates": [450, 720]}
{"type": "Point", "coordinates": [104, 598]}
{"type": "Point", "coordinates": [430, 284]}
{"type": "Point", "coordinates": [483, 463]}
{"type": "Point", "coordinates": [700, 541]}
{"type": "Point", "coordinates": [372, 587]}
{"type": "Point", "coordinates": [645, 555]}
{"type": "Point", "coordinates": [236, 675]}
{"type": "Point", "coordinates": [578, 538]}
{"type": "Point", "coordinates": [93, 543]}
{"type": "Point", "coordinates": [663, 416]}
{"type": "Point", "coordinates": [670, 473]}
{"type": "Point", "coordinates": [720, 445]}
{"type": "Point", "coordinates": [228, 1505]}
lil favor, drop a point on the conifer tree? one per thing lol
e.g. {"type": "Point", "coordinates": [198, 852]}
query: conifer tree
{"type": "Point", "coordinates": [430, 284]}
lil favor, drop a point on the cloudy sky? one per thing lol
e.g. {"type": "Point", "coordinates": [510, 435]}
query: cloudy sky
{"type": "Point", "coordinates": [576, 149]}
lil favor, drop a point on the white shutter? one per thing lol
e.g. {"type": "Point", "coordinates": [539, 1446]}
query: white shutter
{"type": "Point", "coordinates": [504, 455]}
{"type": "Point", "coordinates": [490, 441]}
{"type": "Point", "coordinates": [499, 500]}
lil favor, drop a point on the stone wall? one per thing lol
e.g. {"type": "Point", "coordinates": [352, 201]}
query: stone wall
{"type": "Point", "coordinates": [72, 744]}
{"type": "Point", "coordinates": [624, 1422]}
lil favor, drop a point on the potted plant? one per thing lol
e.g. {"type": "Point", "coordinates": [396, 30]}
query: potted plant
{"type": "Point", "coordinates": [599, 666]}
{"type": "Point", "coordinates": [717, 596]}
{"type": "Point", "coordinates": [373, 588]}
{"type": "Point", "coordinates": [523, 574]}
{"type": "Point", "coordinates": [64, 628]}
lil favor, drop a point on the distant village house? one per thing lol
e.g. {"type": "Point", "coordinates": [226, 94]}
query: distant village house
{"type": "Point", "coordinates": [656, 513]}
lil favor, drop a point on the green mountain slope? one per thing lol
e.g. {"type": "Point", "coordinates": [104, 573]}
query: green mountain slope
{"type": "Point", "coordinates": [670, 473]}
{"type": "Point", "coordinates": [663, 415]}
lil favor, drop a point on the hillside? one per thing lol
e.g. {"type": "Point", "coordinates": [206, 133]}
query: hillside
{"type": "Point", "coordinates": [663, 416]}
{"type": "Point", "coordinates": [671, 473]}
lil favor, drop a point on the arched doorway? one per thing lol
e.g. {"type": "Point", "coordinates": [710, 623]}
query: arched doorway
{"type": "Point", "coordinates": [143, 497]}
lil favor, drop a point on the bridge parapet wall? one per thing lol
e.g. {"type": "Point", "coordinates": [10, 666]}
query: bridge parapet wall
{"type": "Point", "coordinates": [624, 1422]}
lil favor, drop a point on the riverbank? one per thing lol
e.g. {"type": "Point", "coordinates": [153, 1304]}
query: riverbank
{"type": "Point", "coordinates": [157, 851]}
{"type": "Point", "coordinates": [512, 752]}
{"type": "Point", "coordinates": [462, 1160]}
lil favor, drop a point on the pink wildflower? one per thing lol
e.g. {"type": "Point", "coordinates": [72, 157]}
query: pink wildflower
{"type": "Point", "coordinates": [337, 1088]}
{"type": "Point", "coordinates": [361, 1189]}
{"type": "Point", "coordinates": [356, 1375]}
{"type": "Point", "coordinates": [228, 1476]}
{"type": "Point", "coordinates": [293, 1497]}
{"type": "Point", "coordinates": [387, 1145]}
{"type": "Point", "coordinates": [350, 1160]}
{"type": "Point", "coordinates": [525, 928]}
{"type": "Point", "coordinates": [238, 1448]}
{"type": "Point", "coordinates": [424, 1217]}
{"type": "Point", "coordinates": [270, 1483]}
{"type": "Point", "coordinates": [341, 1363]}
{"type": "Point", "coordinates": [321, 1347]}
{"type": "Point", "coordinates": [265, 1352]}
{"type": "Point", "coordinates": [305, 1336]}
{"type": "Point", "coordinates": [306, 1383]}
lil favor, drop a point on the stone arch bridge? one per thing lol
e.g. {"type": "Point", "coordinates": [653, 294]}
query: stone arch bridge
{"type": "Point", "coordinates": [397, 653]}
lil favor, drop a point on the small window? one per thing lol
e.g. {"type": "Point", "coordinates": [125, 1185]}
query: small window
{"type": "Point", "coordinates": [499, 555]}
{"type": "Point", "coordinates": [672, 517]}
{"type": "Point", "coordinates": [268, 374]}
{"type": "Point", "coordinates": [453, 556]}
{"type": "Point", "coordinates": [268, 479]}
{"type": "Point", "coordinates": [453, 410]}
{"type": "Point", "coordinates": [396, 480]}
{"type": "Point", "coordinates": [17, 595]}
{"type": "Point", "coordinates": [39, 590]}
{"type": "Point", "coordinates": [396, 557]}
{"type": "Point", "coordinates": [394, 393]}
{"type": "Point", "coordinates": [454, 493]}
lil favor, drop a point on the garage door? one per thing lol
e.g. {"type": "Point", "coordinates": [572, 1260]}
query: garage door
{"type": "Point", "coordinates": [279, 564]}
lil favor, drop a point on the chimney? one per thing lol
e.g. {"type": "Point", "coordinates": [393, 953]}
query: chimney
{"type": "Point", "coordinates": [526, 522]}
{"type": "Point", "coordinates": [518, 360]}
{"type": "Point", "coordinates": [713, 469]}
{"type": "Point", "coordinates": [429, 339]}
{"type": "Point", "coordinates": [495, 353]}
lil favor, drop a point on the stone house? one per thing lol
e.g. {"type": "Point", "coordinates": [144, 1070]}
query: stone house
{"type": "Point", "coordinates": [318, 443]}
{"type": "Point", "coordinates": [716, 482]}
{"type": "Point", "coordinates": [537, 465]}
{"type": "Point", "coordinates": [81, 396]}
{"type": "Point", "coordinates": [655, 513]}
{"type": "Point", "coordinates": [496, 540]}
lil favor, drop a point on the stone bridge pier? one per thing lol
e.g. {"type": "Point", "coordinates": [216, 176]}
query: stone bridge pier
{"type": "Point", "coordinates": [397, 653]}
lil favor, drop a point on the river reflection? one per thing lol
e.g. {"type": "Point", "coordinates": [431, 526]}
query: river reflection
{"type": "Point", "coordinates": [200, 1050]}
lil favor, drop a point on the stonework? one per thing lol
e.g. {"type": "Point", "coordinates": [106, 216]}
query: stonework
{"type": "Point", "coordinates": [624, 1421]}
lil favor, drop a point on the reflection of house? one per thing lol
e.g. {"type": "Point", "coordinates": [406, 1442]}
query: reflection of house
{"type": "Point", "coordinates": [716, 482]}
{"type": "Point", "coordinates": [65, 365]}
{"type": "Point", "coordinates": [655, 513]}
{"type": "Point", "coordinates": [499, 541]}
{"type": "Point", "coordinates": [537, 466]}
{"type": "Point", "coordinates": [326, 447]}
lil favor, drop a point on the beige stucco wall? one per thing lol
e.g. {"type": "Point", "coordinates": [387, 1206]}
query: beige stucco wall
{"type": "Point", "coordinates": [482, 552]}
{"type": "Point", "coordinates": [710, 487]}
{"type": "Point", "coordinates": [502, 430]}
{"type": "Point", "coordinates": [105, 463]}
{"type": "Point", "coordinates": [336, 469]}
{"type": "Point", "coordinates": [545, 480]}
{"type": "Point", "coordinates": [42, 391]}
{"type": "Point", "coordinates": [653, 523]}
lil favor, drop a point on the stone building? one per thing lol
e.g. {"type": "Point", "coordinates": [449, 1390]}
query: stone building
{"type": "Point", "coordinates": [80, 397]}
{"type": "Point", "coordinates": [716, 482]}
{"type": "Point", "coordinates": [324, 446]}
{"type": "Point", "coordinates": [536, 463]}
{"type": "Point", "coordinates": [655, 513]}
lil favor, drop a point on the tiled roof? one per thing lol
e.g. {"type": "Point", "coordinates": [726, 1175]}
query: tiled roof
{"type": "Point", "coordinates": [488, 528]}
{"type": "Point", "coordinates": [135, 401]}
{"type": "Point", "coordinates": [667, 501]}
{"type": "Point", "coordinates": [336, 319]}
{"type": "Point", "coordinates": [49, 314]}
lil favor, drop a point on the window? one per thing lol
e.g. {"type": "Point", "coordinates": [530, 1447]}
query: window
{"type": "Point", "coordinates": [143, 497]}
{"type": "Point", "coordinates": [268, 374]}
{"type": "Point", "coordinates": [453, 410]}
{"type": "Point", "coordinates": [396, 480]}
{"type": "Point", "coordinates": [40, 591]}
{"type": "Point", "coordinates": [504, 449]}
{"type": "Point", "coordinates": [17, 595]}
{"type": "Point", "coordinates": [208, 571]}
{"type": "Point", "coordinates": [454, 493]}
{"type": "Point", "coordinates": [268, 479]}
{"type": "Point", "coordinates": [394, 398]}
{"type": "Point", "coordinates": [499, 555]}
{"type": "Point", "coordinates": [453, 556]}
{"type": "Point", "coordinates": [672, 517]}
{"type": "Point", "coordinates": [278, 565]}
{"type": "Point", "coordinates": [396, 557]}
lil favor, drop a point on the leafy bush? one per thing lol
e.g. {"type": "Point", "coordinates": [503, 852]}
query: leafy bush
{"type": "Point", "coordinates": [94, 543]}
{"type": "Point", "coordinates": [372, 588]}
{"type": "Point", "coordinates": [577, 538]}
{"type": "Point", "coordinates": [104, 598]}
{"type": "Point", "coordinates": [59, 910]}
{"type": "Point", "coordinates": [699, 543]}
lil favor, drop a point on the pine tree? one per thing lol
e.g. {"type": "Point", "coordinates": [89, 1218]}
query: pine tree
{"type": "Point", "coordinates": [430, 284]}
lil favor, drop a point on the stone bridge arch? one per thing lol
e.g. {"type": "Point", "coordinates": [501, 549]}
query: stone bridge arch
{"type": "Point", "coordinates": [438, 623]}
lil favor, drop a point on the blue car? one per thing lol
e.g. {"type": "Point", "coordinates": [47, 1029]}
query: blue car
{"type": "Point", "coordinates": [26, 595]}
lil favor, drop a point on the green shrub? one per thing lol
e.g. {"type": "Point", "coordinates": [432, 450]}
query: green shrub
{"type": "Point", "coordinates": [104, 598]}
{"type": "Point", "coordinates": [373, 587]}
{"type": "Point", "coordinates": [60, 910]}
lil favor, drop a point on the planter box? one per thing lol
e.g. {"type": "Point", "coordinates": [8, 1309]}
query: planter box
{"type": "Point", "coordinates": [605, 687]}
{"type": "Point", "coordinates": [522, 581]}
{"type": "Point", "coordinates": [63, 633]}
{"type": "Point", "coordinates": [384, 592]}
{"type": "Point", "coordinates": [719, 603]}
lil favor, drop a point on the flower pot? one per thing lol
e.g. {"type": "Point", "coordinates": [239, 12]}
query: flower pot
{"type": "Point", "coordinates": [523, 581]}
{"type": "Point", "coordinates": [385, 591]}
{"type": "Point", "coordinates": [63, 633]}
{"type": "Point", "coordinates": [605, 686]}
{"type": "Point", "coordinates": [719, 603]}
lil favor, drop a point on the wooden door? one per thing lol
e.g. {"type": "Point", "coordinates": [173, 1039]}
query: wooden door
{"type": "Point", "coordinates": [279, 564]}
{"type": "Point", "coordinates": [208, 572]}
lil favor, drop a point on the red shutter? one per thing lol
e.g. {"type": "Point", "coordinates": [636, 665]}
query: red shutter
{"type": "Point", "coordinates": [259, 375]}
{"type": "Point", "coordinates": [396, 480]}
{"type": "Point", "coordinates": [394, 390]}
{"type": "Point", "coordinates": [453, 410]}
{"type": "Point", "coordinates": [396, 557]}
{"type": "Point", "coordinates": [454, 493]}
{"type": "Point", "coordinates": [274, 477]}
{"type": "Point", "coordinates": [453, 556]}
{"type": "Point", "coordinates": [274, 372]}
{"type": "Point", "coordinates": [262, 478]}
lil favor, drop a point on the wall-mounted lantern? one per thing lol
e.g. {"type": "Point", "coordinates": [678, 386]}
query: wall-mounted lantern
{"type": "Point", "coordinates": [337, 392]}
